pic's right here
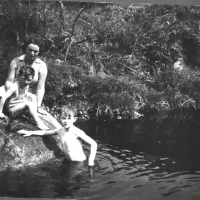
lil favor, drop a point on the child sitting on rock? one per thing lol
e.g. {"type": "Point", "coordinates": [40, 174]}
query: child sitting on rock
{"type": "Point", "coordinates": [19, 99]}
{"type": "Point", "coordinates": [70, 137]}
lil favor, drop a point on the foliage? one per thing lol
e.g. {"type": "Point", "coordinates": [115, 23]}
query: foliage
{"type": "Point", "coordinates": [67, 84]}
{"type": "Point", "coordinates": [116, 58]}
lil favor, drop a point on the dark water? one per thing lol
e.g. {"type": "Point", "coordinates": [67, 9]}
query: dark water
{"type": "Point", "coordinates": [120, 174]}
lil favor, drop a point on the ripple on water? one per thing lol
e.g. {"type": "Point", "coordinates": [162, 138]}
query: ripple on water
{"type": "Point", "coordinates": [120, 174]}
{"type": "Point", "coordinates": [160, 174]}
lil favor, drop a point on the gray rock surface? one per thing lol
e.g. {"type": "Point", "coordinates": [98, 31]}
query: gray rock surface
{"type": "Point", "coordinates": [17, 151]}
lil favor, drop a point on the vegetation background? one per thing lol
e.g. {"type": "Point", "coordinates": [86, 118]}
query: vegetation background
{"type": "Point", "coordinates": [111, 61]}
{"type": "Point", "coordinates": [116, 63]}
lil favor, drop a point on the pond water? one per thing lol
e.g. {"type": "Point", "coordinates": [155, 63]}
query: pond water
{"type": "Point", "coordinates": [119, 174]}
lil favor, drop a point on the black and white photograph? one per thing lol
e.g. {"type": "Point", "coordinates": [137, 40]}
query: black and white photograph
{"type": "Point", "coordinates": [99, 100]}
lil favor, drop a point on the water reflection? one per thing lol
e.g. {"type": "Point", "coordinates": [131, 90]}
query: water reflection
{"type": "Point", "coordinates": [119, 174]}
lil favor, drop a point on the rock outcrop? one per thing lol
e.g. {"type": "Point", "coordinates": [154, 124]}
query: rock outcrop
{"type": "Point", "coordinates": [17, 151]}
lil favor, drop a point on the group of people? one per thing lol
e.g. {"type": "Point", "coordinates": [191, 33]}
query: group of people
{"type": "Point", "coordinates": [25, 85]}
{"type": "Point", "coordinates": [23, 93]}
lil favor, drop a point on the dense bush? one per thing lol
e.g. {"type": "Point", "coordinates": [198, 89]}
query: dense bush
{"type": "Point", "coordinates": [116, 58]}
{"type": "Point", "coordinates": [67, 83]}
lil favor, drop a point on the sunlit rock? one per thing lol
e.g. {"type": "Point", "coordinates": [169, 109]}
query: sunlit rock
{"type": "Point", "coordinates": [58, 62]}
{"type": "Point", "coordinates": [179, 64]}
{"type": "Point", "coordinates": [18, 151]}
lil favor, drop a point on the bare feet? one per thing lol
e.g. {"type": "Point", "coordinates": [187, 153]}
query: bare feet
{"type": "Point", "coordinates": [42, 126]}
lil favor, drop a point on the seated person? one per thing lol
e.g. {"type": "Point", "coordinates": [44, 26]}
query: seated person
{"type": "Point", "coordinates": [31, 57]}
{"type": "Point", "coordinates": [70, 137]}
{"type": "Point", "coordinates": [19, 99]}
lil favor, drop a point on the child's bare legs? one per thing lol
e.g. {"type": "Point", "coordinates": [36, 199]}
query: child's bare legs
{"type": "Point", "coordinates": [32, 108]}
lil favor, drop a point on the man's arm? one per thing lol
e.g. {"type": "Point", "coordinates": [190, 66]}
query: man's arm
{"type": "Point", "coordinates": [93, 146]}
{"type": "Point", "coordinates": [39, 132]}
{"type": "Point", "coordinates": [41, 84]}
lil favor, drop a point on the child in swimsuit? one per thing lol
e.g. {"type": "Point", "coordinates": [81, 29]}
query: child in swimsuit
{"type": "Point", "coordinates": [19, 99]}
